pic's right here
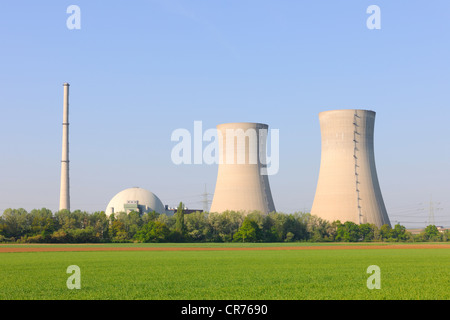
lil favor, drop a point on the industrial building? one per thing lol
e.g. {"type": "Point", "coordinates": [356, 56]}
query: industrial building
{"type": "Point", "coordinates": [170, 211]}
{"type": "Point", "coordinates": [135, 199]}
{"type": "Point", "coordinates": [348, 188]}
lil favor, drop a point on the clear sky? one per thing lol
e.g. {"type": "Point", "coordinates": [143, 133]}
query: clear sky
{"type": "Point", "coordinates": [138, 70]}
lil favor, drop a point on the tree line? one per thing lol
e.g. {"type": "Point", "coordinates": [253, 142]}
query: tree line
{"type": "Point", "coordinates": [44, 226]}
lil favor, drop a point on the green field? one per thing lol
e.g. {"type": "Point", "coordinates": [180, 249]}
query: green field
{"type": "Point", "coordinates": [231, 275]}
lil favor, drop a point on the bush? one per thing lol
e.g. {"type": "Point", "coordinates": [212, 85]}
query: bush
{"type": "Point", "coordinates": [87, 235]}
{"type": "Point", "coordinates": [348, 232]}
{"type": "Point", "coordinates": [33, 239]}
{"type": "Point", "coordinates": [59, 236]}
{"type": "Point", "coordinates": [248, 232]}
{"type": "Point", "coordinates": [81, 227]}
{"type": "Point", "coordinates": [289, 237]}
{"type": "Point", "coordinates": [153, 231]}
{"type": "Point", "coordinates": [197, 227]}
{"type": "Point", "coordinates": [431, 233]}
{"type": "Point", "coordinates": [175, 236]}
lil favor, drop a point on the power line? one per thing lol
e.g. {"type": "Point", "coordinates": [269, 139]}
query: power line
{"type": "Point", "coordinates": [205, 200]}
{"type": "Point", "coordinates": [432, 209]}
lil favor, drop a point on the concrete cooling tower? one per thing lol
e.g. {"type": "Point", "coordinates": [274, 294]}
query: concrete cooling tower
{"type": "Point", "coordinates": [242, 184]}
{"type": "Point", "coordinates": [348, 187]}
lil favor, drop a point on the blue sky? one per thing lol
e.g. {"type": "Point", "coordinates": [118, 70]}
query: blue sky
{"type": "Point", "coordinates": [138, 70]}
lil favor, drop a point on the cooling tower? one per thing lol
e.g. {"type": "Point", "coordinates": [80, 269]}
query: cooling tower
{"type": "Point", "coordinates": [64, 198]}
{"type": "Point", "coordinates": [241, 182]}
{"type": "Point", "coordinates": [348, 187]}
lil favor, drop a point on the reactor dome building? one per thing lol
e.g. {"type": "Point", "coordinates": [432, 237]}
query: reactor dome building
{"type": "Point", "coordinates": [241, 183]}
{"type": "Point", "coordinates": [135, 199]}
{"type": "Point", "coordinates": [348, 188]}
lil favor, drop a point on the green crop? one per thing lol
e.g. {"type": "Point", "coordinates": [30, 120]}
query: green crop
{"type": "Point", "coordinates": [231, 275]}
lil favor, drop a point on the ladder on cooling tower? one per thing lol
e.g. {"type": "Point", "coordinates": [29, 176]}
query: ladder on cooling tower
{"type": "Point", "coordinates": [355, 156]}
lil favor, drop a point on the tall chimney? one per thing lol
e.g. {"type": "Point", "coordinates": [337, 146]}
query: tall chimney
{"type": "Point", "coordinates": [64, 199]}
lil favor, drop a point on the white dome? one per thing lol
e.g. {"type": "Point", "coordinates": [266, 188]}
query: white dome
{"type": "Point", "coordinates": [135, 199]}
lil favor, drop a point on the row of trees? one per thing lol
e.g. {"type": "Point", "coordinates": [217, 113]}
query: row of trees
{"type": "Point", "coordinates": [43, 226]}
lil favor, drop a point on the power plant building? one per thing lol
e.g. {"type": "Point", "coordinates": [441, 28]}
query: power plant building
{"type": "Point", "coordinates": [135, 199]}
{"type": "Point", "coordinates": [241, 184]}
{"type": "Point", "coordinates": [348, 188]}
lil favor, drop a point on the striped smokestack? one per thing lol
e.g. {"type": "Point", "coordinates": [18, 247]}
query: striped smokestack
{"type": "Point", "coordinates": [64, 199]}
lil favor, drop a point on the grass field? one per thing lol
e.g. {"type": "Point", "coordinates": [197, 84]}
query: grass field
{"type": "Point", "coordinates": [270, 274]}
